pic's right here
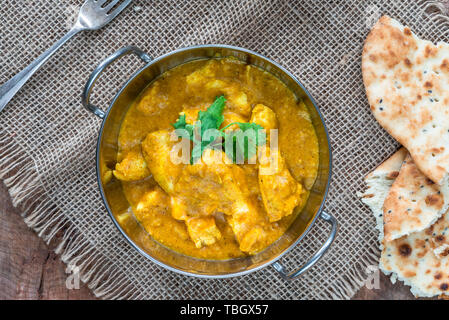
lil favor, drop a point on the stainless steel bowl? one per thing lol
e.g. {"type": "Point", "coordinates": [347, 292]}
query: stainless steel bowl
{"type": "Point", "coordinates": [116, 203]}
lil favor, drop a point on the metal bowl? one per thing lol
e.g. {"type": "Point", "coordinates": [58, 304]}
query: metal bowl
{"type": "Point", "coordinates": [116, 202]}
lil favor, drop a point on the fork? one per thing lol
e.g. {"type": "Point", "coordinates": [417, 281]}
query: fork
{"type": "Point", "coordinates": [93, 15]}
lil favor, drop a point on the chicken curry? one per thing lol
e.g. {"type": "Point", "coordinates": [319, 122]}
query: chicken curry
{"type": "Point", "coordinates": [216, 210]}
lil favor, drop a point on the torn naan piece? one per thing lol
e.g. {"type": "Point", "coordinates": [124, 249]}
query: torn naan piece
{"type": "Point", "coordinates": [407, 85]}
{"type": "Point", "coordinates": [413, 203]}
{"type": "Point", "coordinates": [420, 260]}
{"type": "Point", "coordinates": [378, 185]}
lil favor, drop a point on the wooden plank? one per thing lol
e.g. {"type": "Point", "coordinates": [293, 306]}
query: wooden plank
{"type": "Point", "coordinates": [29, 269]}
{"type": "Point", "coordinates": [386, 291]}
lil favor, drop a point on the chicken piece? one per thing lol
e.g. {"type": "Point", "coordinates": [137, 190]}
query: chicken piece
{"type": "Point", "coordinates": [265, 117]}
{"type": "Point", "coordinates": [192, 113]}
{"type": "Point", "coordinates": [209, 188]}
{"type": "Point", "coordinates": [244, 218]}
{"type": "Point", "coordinates": [201, 76]}
{"type": "Point", "coordinates": [248, 223]}
{"type": "Point", "coordinates": [156, 148]}
{"type": "Point", "coordinates": [254, 241]}
{"type": "Point", "coordinates": [237, 101]}
{"type": "Point", "coordinates": [281, 193]}
{"type": "Point", "coordinates": [227, 187]}
{"type": "Point", "coordinates": [178, 209]}
{"type": "Point", "coordinates": [152, 203]}
{"type": "Point", "coordinates": [154, 101]}
{"type": "Point", "coordinates": [212, 187]}
{"type": "Point", "coordinates": [252, 176]}
{"type": "Point", "coordinates": [203, 231]}
{"type": "Point", "coordinates": [230, 117]}
{"type": "Point", "coordinates": [132, 168]}
{"type": "Point", "coordinates": [205, 188]}
{"type": "Point", "coordinates": [154, 199]}
{"type": "Point", "coordinates": [179, 182]}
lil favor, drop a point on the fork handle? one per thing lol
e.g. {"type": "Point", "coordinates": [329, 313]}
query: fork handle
{"type": "Point", "coordinates": [10, 88]}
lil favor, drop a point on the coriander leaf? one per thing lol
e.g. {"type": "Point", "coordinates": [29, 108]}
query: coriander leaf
{"type": "Point", "coordinates": [210, 135]}
{"type": "Point", "coordinates": [180, 123]}
{"type": "Point", "coordinates": [230, 145]}
{"type": "Point", "coordinates": [249, 125]}
{"type": "Point", "coordinates": [183, 129]}
{"type": "Point", "coordinates": [240, 145]}
{"type": "Point", "coordinates": [245, 126]}
{"type": "Point", "coordinates": [235, 145]}
{"type": "Point", "coordinates": [216, 109]}
{"type": "Point", "coordinates": [204, 132]}
{"type": "Point", "coordinates": [213, 117]}
{"type": "Point", "coordinates": [211, 138]}
{"type": "Point", "coordinates": [244, 144]}
{"type": "Point", "coordinates": [184, 133]}
{"type": "Point", "coordinates": [260, 136]}
{"type": "Point", "coordinates": [197, 151]}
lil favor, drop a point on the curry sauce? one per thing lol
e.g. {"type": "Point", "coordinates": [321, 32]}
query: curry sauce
{"type": "Point", "coordinates": [215, 211]}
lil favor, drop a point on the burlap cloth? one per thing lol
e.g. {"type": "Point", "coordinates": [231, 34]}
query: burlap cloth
{"type": "Point", "coordinates": [47, 140]}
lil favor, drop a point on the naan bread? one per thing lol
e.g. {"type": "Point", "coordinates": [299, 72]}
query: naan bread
{"type": "Point", "coordinates": [378, 185]}
{"type": "Point", "coordinates": [413, 203]}
{"type": "Point", "coordinates": [407, 84]}
{"type": "Point", "coordinates": [420, 259]}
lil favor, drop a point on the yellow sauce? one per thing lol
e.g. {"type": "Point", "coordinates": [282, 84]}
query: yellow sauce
{"type": "Point", "coordinates": [159, 106]}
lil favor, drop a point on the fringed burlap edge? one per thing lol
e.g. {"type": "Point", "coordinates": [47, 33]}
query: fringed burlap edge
{"type": "Point", "coordinates": [21, 177]}
{"type": "Point", "coordinates": [437, 11]}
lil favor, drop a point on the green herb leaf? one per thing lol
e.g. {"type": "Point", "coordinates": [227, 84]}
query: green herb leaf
{"type": "Point", "coordinates": [183, 129]}
{"type": "Point", "coordinates": [212, 140]}
{"type": "Point", "coordinates": [244, 145]}
{"type": "Point", "coordinates": [205, 134]}
{"type": "Point", "coordinates": [180, 123]}
{"type": "Point", "coordinates": [244, 126]}
{"type": "Point", "coordinates": [213, 117]}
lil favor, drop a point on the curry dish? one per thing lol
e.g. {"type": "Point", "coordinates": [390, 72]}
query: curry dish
{"type": "Point", "coordinates": [225, 210]}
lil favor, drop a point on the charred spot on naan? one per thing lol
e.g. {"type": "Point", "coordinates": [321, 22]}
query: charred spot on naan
{"type": "Point", "coordinates": [404, 250]}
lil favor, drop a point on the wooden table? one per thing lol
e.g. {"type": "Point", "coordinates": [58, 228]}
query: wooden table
{"type": "Point", "coordinates": [29, 269]}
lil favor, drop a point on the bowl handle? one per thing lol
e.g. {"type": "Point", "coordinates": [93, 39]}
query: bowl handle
{"type": "Point", "coordinates": [101, 67]}
{"type": "Point", "coordinates": [317, 256]}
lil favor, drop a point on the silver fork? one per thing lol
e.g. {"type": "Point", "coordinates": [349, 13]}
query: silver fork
{"type": "Point", "coordinates": [93, 15]}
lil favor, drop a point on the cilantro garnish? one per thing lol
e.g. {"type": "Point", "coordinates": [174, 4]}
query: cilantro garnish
{"type": "Point", "coordinates": [182, 129]}
{"type": "Point", "coordinates": [239, 145]}
{"type": "Point", "coordinates": [213, 117]}
{"type": "Point", "coordinates": [244, 142]}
